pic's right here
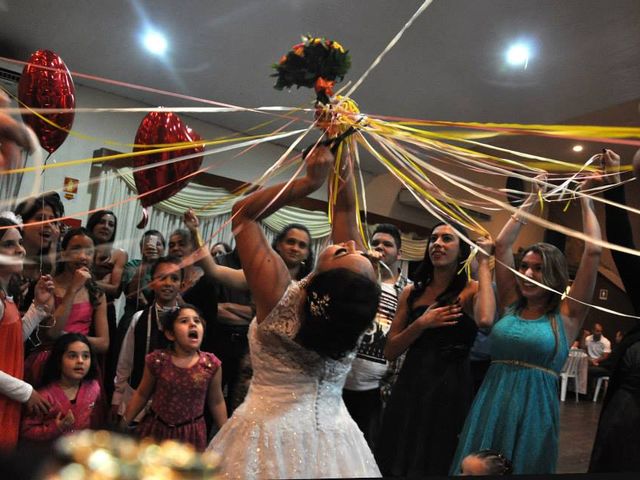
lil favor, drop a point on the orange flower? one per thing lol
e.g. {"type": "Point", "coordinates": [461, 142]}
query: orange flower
{"type": "Point", "coordinates": [283, 59]}
{"type": "Point", "coordinates": [325, 85]}
{"type": "Point", "coordinates": [298, 51]}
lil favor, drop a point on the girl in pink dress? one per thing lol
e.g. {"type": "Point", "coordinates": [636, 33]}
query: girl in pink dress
{"type": "Point", "coordinates": [81, 306]}
{"type": "Point", "coordinates": [71, 388]}
{"type": "Point", "coordinates": [179, 380]}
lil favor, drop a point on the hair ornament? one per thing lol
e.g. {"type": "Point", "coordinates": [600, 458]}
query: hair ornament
{"type": "Point", "coordinates": [319, 305]}
{"type": "Point", "coordinates": [9, 215]}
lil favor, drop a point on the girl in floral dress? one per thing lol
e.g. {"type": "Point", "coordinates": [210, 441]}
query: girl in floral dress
{"type": "Point", "coordinates": [179, 381]}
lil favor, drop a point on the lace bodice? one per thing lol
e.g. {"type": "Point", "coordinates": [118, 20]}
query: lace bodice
{"type": "Point", "coordinates": [293, 422]}
{"type": "Point", "coordinates": [280, 362]}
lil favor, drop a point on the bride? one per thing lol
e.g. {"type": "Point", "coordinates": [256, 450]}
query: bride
{"type": "Point", "coordinates": [293, 423]}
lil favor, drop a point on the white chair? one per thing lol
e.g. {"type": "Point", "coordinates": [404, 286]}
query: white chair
{"type": "Point", "coordinates": [570, 370]}
{"type": "Point", "coordinates": [598, 385]}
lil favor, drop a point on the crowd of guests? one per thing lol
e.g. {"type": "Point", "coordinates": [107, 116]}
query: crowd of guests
{"type": "Point", "coordinates": [178, 362]}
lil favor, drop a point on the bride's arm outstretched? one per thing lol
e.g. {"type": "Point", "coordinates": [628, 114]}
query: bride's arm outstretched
{"type": "Point", "coordinates": [266, 273]}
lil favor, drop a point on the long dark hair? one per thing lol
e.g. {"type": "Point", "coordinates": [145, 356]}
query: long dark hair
{"type": "Point", "coordinates": [92, 287]}
{"type": "Point", "coordinates": [6, 223]}
{"type": "Point", "coordinates": [555, 274]}
{"type": "Point", "coordinates": [52, 370]}
{"type": "Point", "coordinates": [95, 219]}
{"type": "Point", "coordinates": [307, 265]}
{"type": "Point", "coordinates": [13, 288]}
{"type": "Point", "coordinates": [340, 305]}
{"type": "Point", "coordinates": [424, 273]}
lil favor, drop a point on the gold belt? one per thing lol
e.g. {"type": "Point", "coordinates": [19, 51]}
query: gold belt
{"type": "Point", "coordinates": [527, 365]}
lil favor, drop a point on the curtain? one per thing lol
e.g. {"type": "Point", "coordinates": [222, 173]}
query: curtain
{"type": "Point", "coordinates": [10, 186]}
{"type": "Point", "coordinates": [214, 210]}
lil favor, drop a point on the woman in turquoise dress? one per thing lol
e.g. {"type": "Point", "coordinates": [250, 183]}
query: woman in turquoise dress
{"type": "Point", "coordinates": [516, 410]}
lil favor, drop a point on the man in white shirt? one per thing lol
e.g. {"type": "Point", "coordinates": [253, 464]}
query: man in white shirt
{"type": "Point", "coordinates": [362, 390]}
{"type": "Point", "coordinates": [598, 346]}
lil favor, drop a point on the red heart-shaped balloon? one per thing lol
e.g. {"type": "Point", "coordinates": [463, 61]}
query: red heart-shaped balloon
{"type": "Point", "coordinates": [46, 83]}
{"type": "Point", "coordinates": [163, 181]}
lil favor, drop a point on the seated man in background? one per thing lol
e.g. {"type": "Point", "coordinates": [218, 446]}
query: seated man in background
{"type": "Point", "coordinates": [597, 345]}
{"type": "Point", "coordinates": [598, 348]}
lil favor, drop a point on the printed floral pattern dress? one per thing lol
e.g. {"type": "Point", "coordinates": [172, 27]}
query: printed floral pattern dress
{"type": "Point", "coordinates": [179, 398]}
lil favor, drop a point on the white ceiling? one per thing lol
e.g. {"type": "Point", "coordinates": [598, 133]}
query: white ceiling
{"type": "Point", "coordinates": [448, 66]}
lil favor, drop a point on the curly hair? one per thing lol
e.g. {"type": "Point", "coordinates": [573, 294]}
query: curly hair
{"type": "Point", "coordinates": [30, 207]}
{"type": "Point", "coordinates": [496, 463]}
{"type": "Point", "coordinates": [339, 306]}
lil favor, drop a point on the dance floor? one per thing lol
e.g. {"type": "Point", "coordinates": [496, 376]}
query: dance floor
{"type": "Point", "coordinates": [578, 425]}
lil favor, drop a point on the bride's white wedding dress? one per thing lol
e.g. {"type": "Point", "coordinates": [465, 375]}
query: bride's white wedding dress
{"type": "Point", "coordinates": [293, 422]}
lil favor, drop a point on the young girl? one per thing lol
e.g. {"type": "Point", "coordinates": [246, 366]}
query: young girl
{"type": "Point", "coordinates": [180, 379]}
{"type": "Point", "coordinates": [80, 305]}
{"type": "Point", "coordinates": [71, 387]}
{"type": "Point", "coordinates": [14, 330]}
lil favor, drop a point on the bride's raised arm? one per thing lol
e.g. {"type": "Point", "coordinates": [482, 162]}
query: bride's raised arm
{"type": "Point", "coordinates": [345, 224]}
{"type": "Point", "coordinates": [266, 273]}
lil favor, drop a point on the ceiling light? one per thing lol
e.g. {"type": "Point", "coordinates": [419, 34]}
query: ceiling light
{"type": "Point", "coordinates": [518, 55]}
{"type": "Point", "coordinates": [155, 42]}
{"type": "Point", "coordinates": [577, 148]}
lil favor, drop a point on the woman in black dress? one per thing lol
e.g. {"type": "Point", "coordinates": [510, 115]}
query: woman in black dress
{"type": "Point", "coordinates": [617, 444]}
{"type": "Point", "coordinates": [435, 324]}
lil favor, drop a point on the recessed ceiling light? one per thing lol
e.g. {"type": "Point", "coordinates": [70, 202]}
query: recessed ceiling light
{"type": "Point", "coordinates": [518, 55]}
{"type": "Point", "coordinates": [577, 148]}
{"type": "Point", "coordinates": [155, 42]}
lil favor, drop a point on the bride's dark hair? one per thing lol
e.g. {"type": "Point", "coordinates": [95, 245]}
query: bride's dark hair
{"type": "Point", "coordinates": [340, 305]}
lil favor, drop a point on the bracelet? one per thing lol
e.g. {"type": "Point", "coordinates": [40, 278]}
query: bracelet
{"type": "Point", "coordinates": [197, 238]}
{"type": "Point", "coordinates": [518, 219]}
{"type": "Point", "coordinates": [41, 307]}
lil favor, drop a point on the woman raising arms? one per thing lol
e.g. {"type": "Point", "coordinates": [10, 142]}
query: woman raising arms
{"type": "Point", "coordinates": [516, 409]}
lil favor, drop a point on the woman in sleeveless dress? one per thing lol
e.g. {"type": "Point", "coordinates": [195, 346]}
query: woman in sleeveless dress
{"type": "Point", "coordinates": [435, 324]}
{"type": "Point", "coordinates": [80, 306]}
{"type": "Point", "coordinates": [293, 422]}
{"type": "Point", "coordinates": [516, 409]}
{"type": "Point", "coordinates": [108, 267]}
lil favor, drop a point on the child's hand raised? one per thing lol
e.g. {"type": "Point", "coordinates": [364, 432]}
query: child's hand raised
{"type": "Point", "coordinates": [80, 277]}
{"type": "Point", "coordinates": [43, 293]}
